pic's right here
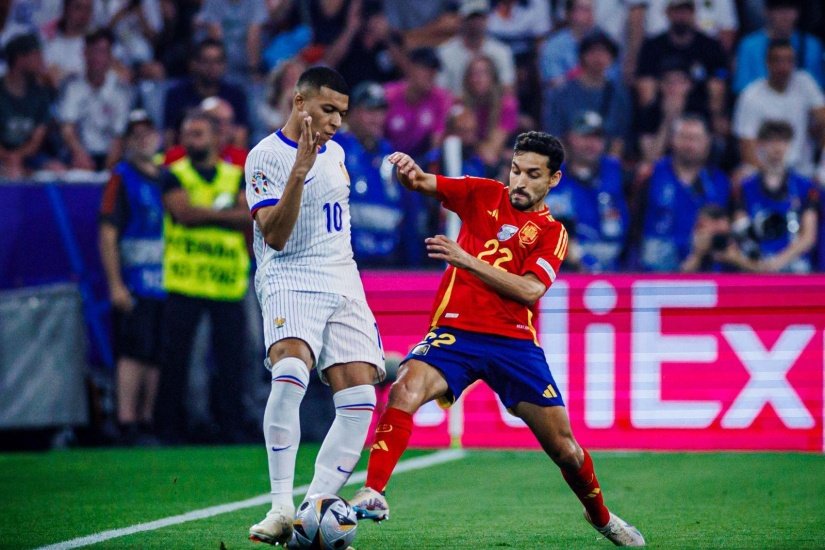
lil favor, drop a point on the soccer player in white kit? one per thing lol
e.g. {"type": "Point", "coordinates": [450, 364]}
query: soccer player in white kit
{"type": "Point", "coordinates": [314, 309]}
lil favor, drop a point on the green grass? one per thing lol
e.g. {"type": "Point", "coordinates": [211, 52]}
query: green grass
{"type": "Point", "coordinates": [486, 500]}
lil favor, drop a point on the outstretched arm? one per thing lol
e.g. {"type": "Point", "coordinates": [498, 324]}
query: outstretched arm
{"type": "Point", "coordinates": [412, 176]}
{"type": "Point", "coordinates": [278, 221]}
{"type": "Point", "coordinates": [525, 289]}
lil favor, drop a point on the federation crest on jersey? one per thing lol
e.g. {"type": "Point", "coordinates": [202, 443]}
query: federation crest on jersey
{"type": "Point", "coordinates": [506, 232]}
{"type": "Point", "coordinates": [528, 234]}
{"type": "Point", "coordinates": [280, 322]}
{"type": "Point", "coordinates": [259, 182]}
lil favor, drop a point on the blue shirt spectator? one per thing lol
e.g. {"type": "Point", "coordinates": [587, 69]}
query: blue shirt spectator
{"type": "Point", "coordinates": [671, 210]}
{"type": "Point", "coordinates": [589, 200]}
{"type": "Point", "coordinates": [680, 185]}
{"type": "Point", "coordinates": [591, 90]}
{"type": "Point", "coordinates": [781, 19]}
{"type": "Point", "coordinates": [376, 207]}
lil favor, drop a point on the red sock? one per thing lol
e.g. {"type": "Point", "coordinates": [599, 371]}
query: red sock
{"type": "Point", "coordinates": [392, 434]}
{"type": "Point", "coordinates": [586, 487]}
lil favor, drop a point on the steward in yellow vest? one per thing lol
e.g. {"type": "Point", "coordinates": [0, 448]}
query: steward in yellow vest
{"type": "Point", "coordinates": [205, 273]}
{"type": "Point", "coordinates": [206, 261]}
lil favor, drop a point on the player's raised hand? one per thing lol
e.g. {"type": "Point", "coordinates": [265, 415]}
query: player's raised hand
{"type": "Point", "coordinates": [442, 247]}
{"type": "Point", "coordinates": [411, 175]}
{"type": "Point", "coordinates": [308, 144]}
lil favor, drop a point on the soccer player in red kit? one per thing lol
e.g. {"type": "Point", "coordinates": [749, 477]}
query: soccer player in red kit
{"type": "Point", "coordinates": [507, 255]}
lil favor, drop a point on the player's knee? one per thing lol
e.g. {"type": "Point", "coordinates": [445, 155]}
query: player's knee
{"type": "Point", "coordinates": [564, 451]}
{"type": "Point", "coordinates": [406, 395]}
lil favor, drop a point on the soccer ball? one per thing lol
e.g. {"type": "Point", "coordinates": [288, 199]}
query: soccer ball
{"type": "Point", "coordinates": [325, 522]}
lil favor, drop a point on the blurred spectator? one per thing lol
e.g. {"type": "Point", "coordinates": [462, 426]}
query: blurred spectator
{"type": "Point", "coordinates": [472, 41]}
{"type": "Point", "coordinates": [589, 199]}
{"type": "Point", "coordinates": [417, 108]}
{"type": "Point", "coordinates": [285, 32]}
{"type": "Point", "coordinates": [716, 18]}
{"type": "Point", "coordinates": [786, 94]}
{"type": "Point", "coordinates": [205, 271]}
{"type": "Point", "coordinates": [331, 18]}
{"type": "Point", "coordinates": [495, 109]}
{"type": "Point", "coordinates": [778, 208]}
{"type": "Point", "coordinates": [280, 90]}
{"type": "Point", "coordinates": [624, 22]}
{"type": "Point", "coordinates": [422, 23]}
{"type": "Point", "coordinates": [375, 205]}
{"type": "Point", "coordinates": [173, 42]}
{"type": "Point", "coordinates": [94, 108]}
{"type": "Point", "coordinates": [680, 186]}
{"type": "Point", "coordinates": [237, 23]}
{"type": "Point", "coordinates": [371, 54]}
{"type": "Point", "coordinates": [654, 123]}
{"type": "Point", "coordinates": [462, 124]}
{"type": "Point", "coordinates": [591, 90]}
{"type": "Point", "coordinates": [11, 27]}
{"type": "Point", "coordinates": [684, 44]}
{"type": "Point", "coordinates": [24, 108]}
{"type": "Point", "coordinates": [519, 24]}
{"type": "Point", "coordinates": [206, 80]}
{"type": "Point", "coordinates": [712, 242]}
{"type": "Point", "coordinates": [782, 17]}
{"type": "Point", "coordinates": [136, 24]}
{"type": "Point", "coordinates": [559, 54]}
{"type": "Point", "coordinates": [64, 50]}
{"type": "Point", "coordinates": [224, 116]}
{"type": "Point", "coordinates": [131, 251]}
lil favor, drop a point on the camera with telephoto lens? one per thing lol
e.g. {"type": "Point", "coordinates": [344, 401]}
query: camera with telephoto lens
{"type": "Point", "coordinates": [771, 227]}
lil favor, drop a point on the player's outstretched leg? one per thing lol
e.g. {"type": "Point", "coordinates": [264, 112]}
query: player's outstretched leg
{"type": "Point", "coordinates": [282, 433]}
{"type": "Point", "coordinates": [417, 383]}
{"type": "Point", "coordinates": [392, 435]}
{"type": "Point", "coordinates": [551, 427]}
{"type": "Point", "coordinates": [344, 441]}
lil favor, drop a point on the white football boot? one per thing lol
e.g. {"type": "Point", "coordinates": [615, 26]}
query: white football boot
{"type": "Point", "coordinates": [370, 504]}
{"type": "Point", "coordinates": [275, 528]}
{"type": "Point", "coordinates": [618, 531]}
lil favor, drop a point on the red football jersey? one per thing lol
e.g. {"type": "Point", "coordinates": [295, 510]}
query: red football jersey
{"type": "Point", "coordinates": [504, 237]}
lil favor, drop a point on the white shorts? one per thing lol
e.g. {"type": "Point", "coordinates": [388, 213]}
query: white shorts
{"type": "Point", "coordinates": [337, 329]}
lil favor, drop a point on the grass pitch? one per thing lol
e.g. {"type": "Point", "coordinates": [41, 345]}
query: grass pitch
{"type": "Point", "coordinates": [485, 500]}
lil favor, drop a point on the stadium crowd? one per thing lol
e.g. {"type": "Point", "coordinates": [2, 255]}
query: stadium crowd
{"type": "Point", "coordinates": [695, 129]}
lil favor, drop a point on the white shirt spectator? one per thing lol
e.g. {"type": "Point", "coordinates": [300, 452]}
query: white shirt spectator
{"type": "Point", "coordinates": [524, 23]}
{"type": "Point", "coordinates": [711, 17]}
{"type": "Point", "coordinates": [611, 16]}
{"type": "Point", "coordinates": [66, 53]}
{"type": "Point", "coordinates": [455, 57]}
{"type": "Point", "coordinates": [759, 102]}
{"type": "Point", "coordinates": [132, 46]}
{"type": "Point", "coordinates": [100, 114]}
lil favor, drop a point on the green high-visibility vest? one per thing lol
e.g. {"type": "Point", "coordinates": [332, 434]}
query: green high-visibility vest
{"type": "Point", "coordinates": [205, 261]}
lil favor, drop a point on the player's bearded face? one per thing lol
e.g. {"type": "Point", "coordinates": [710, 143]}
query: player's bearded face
{"type": "Point", "coordinates": [327, 109]}
{"type": "Point", "coordinates": [530, 179]}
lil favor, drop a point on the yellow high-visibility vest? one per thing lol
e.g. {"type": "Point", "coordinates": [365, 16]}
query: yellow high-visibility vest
{"type": "Point", "coordinates": [205, 261]}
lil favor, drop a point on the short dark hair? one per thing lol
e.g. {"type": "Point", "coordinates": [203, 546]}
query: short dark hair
{"type": "Point", "coordinates": [209, 43]}
{"type": "Point", "coordinates": [777, 43]}
{"type": "Point", "coordinates": [775, 129]}
{"type": "Point", "coordinates": [199, 114]}
{"type": "Point", "coordinates": [319, 77]}
{"type": "Point", "coordinates": [541, 143]}
{"type": "Point", "coordinates": [98, 35]}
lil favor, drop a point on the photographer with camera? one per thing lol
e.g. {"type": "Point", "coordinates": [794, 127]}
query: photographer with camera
{"type": "Point", "coordinates": [711, 237]}
{"type": "Point", "coordinates": [777, 209]}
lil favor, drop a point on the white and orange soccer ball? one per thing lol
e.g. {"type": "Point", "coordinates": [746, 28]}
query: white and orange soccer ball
{"type": "Point", "coordinates": [325, 522]}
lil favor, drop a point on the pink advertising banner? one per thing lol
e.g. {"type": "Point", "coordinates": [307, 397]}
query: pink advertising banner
{"type": "Point", "coordinates": [648, 362]}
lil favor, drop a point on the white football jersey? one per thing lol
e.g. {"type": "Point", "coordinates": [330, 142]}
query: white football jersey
{"type": "Point", "coordinates": [318, 254]}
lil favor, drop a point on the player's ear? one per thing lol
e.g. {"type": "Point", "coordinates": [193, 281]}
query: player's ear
{"type": "Point", "coordinates": [555, 178]}
{"type": "Point", "coordinates": [298, 101]}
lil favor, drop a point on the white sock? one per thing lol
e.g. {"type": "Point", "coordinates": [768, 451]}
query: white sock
{"type": "Point", "coordinates": [282, 426]}
{"type": "Point", "coordinates": [345, 440]}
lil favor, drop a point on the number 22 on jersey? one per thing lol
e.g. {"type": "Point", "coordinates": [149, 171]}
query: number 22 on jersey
{"type": "Point", "coordinates": [491, 248]}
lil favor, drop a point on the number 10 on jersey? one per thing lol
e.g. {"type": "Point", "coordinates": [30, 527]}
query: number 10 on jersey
{"type": "Point", "coordinates": [335, 216]}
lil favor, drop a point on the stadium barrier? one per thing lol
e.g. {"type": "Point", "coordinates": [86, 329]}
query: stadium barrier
{"type": "Point", "coordinates": [727, 362]}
